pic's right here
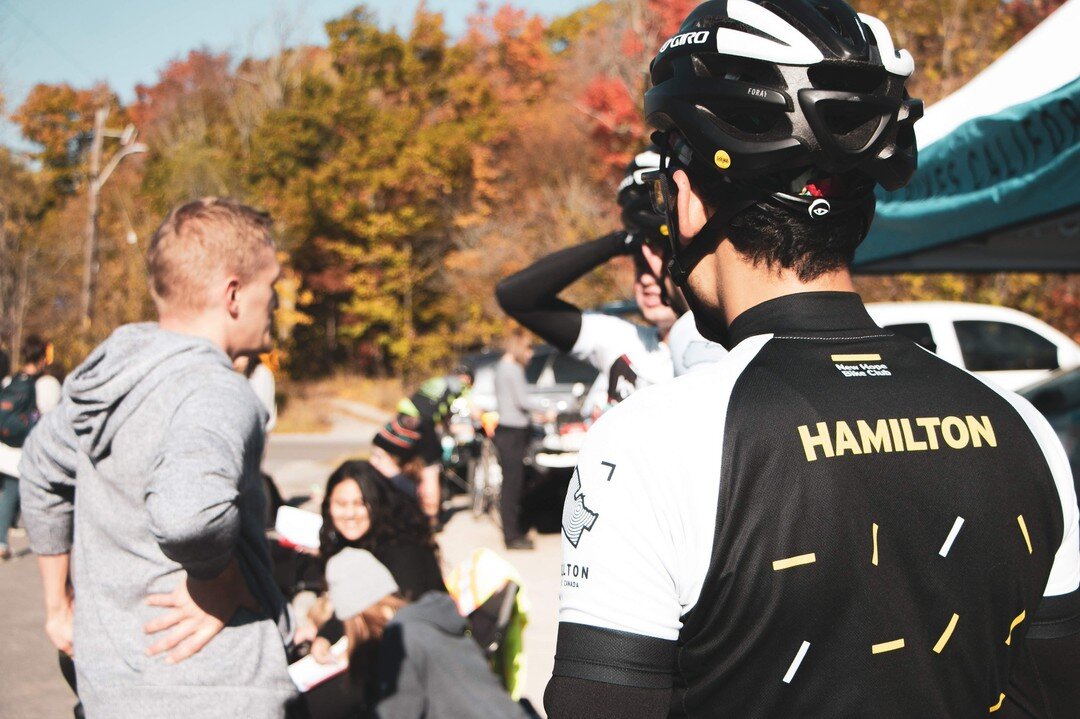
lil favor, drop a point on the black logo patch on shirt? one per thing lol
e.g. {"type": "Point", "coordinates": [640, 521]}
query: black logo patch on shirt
{"type": "Point", "coordinates": [577, 518]}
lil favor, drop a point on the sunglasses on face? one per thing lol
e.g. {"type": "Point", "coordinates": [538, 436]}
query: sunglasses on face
{"type": "Point", "coordinates": [661, 192]}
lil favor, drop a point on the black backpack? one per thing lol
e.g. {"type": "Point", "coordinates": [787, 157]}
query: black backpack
{"type": "Point", "coordinates": [18, 410]}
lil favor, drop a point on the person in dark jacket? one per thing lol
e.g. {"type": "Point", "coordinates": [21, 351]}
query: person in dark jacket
{"type": "Point", "coordinates": [419, 660]}
{"type": "Point", "coordinates": [361, 509]}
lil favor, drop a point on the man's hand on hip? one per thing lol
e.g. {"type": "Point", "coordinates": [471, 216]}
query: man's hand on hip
{"type": "Point", "coordinates": [199, 610]}
{"type": "Point", "coordinates": [59, 623]}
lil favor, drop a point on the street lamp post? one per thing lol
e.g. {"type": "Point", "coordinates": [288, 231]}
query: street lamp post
{"type": "Point", "coordinates": [98, 177]}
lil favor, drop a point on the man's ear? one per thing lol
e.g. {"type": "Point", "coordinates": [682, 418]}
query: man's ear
{"type": "Point", "coordinates": [691, 210]}
{"type": "Point", "coordinates": [232, 298]}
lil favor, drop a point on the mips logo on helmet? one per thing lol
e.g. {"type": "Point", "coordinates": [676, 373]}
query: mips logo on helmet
{"type": "Point", "coordinates": [687, 38]}
{"type": "Point", "coordinates": [819, 208]}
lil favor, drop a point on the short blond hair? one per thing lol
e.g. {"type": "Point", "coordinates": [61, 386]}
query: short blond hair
{"type": "Point", "coordinates": [200, 239]}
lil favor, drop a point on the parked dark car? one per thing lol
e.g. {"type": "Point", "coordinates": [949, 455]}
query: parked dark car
{"type": "Point", "coordinates": [1058, 398]}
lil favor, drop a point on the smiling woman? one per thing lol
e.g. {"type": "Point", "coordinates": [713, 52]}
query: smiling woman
{"type": "Point", "coordinates": [362, 510]}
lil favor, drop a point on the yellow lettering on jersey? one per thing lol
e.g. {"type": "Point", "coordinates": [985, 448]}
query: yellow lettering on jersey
{"type": "Point", "coordinates": [895, 434]}
{"type": "Point", "coordinates": [874, 440]}
{"type": "Point", "coordinates": [1001, 700]}
{"type": "Point", "coordinates": [845, 440]}
{"type": "Point", "coordinates": [930, 424]}
{"type": "Point", "coordinates": [955, 432]}
{"type": "Point", "coordinates": [912, 444]}
{"type": "Point", "coordinates": [981, 429]}
{"type": "Point", "coordinates": [897, 437]}
{"type": "Point", "coordinates": [821, 439]}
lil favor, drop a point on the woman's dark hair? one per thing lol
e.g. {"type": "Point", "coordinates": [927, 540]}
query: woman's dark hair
{"type": "Point", "coordinates": [393, 515]}
{"type": "Point", "coordinates": [5, 364]}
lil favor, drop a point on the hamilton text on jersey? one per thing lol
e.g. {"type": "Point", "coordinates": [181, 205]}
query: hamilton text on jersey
{"type": "Point", "coordinates": [896, 435]}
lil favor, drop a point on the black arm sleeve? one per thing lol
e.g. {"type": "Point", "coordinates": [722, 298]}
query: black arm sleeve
{"type": "Point", "coordinates": [569, 698]}
{"type": "Point", "coordinates": [530, 296]}
{"type": "Point", "coordinates": [607, 673]}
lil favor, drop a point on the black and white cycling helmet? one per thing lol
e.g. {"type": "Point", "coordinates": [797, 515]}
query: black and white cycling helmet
{"type": "Point", "coordinates": [638, 214]}
{"type": "Point", "coordinates": [761, 98]}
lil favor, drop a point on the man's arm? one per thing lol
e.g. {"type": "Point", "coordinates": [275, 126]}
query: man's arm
{"type": "Point", "coordinates": [47, 489]}
{"type": "Point", "coordinates": [192, 503]}
{"type": "Point", "coordinates": [59, 600]}
{"type": "Point", "coordinates": [530, 296]}
{"type": "Point", "coordinates": [47, 483]}
{"type": "Point", "coordinates": [192, 496]}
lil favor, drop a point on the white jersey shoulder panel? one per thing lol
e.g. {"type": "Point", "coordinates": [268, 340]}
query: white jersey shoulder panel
{"type": "Point", "coordinates": [640, 515]}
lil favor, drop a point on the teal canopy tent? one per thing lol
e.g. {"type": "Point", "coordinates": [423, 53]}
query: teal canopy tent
{"type": "Point", "coordinates": [998, 183]}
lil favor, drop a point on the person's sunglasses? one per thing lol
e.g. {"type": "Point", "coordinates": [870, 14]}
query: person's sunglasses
{"type": "Point", "coordinates": [661, 192]}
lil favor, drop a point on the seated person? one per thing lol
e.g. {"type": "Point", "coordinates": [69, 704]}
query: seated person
{"type": "Point", "coordinates": [416, 658]}
{"type": "Point", "coordinates": [361, 510]}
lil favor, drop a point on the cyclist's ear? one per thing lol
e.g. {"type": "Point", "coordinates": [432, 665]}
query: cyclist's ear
{"type": "Point", "coordinates": [692, 210]}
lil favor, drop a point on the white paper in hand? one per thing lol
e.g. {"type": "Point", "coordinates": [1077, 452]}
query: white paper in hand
{"type": "Point", "coordinates": [298, 527]}
{"type": "Point", "coordinates": [308, 673]}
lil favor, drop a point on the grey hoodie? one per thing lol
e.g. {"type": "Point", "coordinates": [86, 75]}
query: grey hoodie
{"type": "Point", "coordinates": [429, 667]}
{"type": "Point", "coordinates": [149, 471]}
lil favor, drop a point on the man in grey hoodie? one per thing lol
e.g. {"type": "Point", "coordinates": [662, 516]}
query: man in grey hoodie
{"type": "Point", "coordinates": [145, 482]}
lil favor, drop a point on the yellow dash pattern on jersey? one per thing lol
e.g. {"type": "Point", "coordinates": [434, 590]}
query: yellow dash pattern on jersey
{"type": "Point", "coordinates": [1001, 700]}
{"type": "Point", "coordinates": [946, 634]}
{"type": "Point", "coordinates": [1024, 531]}
{"type": "Point", "coordinates": [1012, 627]}
{"type": "Point", "coordinates": [887, 646]}
{"type": "Point", "coordinates": [781, 564]}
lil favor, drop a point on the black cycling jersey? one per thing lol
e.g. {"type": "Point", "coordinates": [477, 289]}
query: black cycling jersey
{"type": "Point", "coordinates": [829, 522]}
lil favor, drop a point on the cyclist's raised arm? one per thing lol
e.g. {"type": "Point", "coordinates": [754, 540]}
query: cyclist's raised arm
{"type": "Point", "coordinates": [530, 296]}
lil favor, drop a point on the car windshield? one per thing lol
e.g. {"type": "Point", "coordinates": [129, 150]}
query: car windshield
{"type": "Point", "coordinates": [1056, 396]}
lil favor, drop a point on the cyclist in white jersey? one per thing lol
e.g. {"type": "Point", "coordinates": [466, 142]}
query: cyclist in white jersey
{"type": "Point", "coordinates": [628, 355]}
{"type": "Point", "coordinates": [830, 521]}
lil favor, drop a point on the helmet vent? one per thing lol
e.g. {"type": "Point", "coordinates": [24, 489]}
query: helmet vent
{"type": "Point", "coordinates": [851, 124]}
{"type": "Point", "coordinates": [847, 76]}
{"type": "Point", "coordinates": [742, 69]}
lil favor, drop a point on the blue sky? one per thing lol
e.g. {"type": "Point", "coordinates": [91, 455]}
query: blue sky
{"type": "Point", "coordinates": [124, 42]}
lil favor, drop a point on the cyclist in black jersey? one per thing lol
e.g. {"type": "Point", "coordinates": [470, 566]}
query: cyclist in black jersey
{"type": "Point", "coordinates": [830, 521]}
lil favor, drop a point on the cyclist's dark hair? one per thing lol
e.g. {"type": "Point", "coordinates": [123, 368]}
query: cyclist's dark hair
{"type": "Point", "coordinates": [810, 248]}
{"type": "Point", "coordinates": [393, 515]}
{"type": "Point", "coordinates": [5, 364]}
{"type": "Point", "coordinates": [34, 349]}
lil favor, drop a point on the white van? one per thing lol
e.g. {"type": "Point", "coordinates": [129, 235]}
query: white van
{"type": "Point", "coordinates": [1008, 347]}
